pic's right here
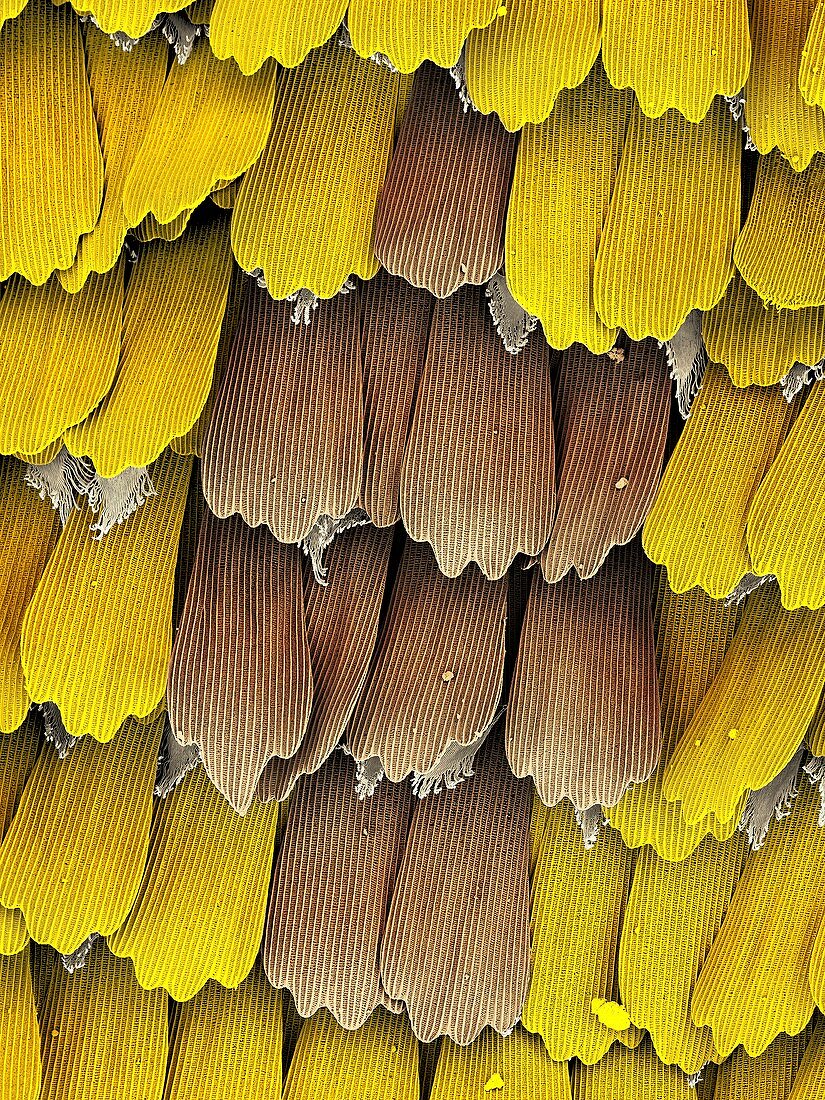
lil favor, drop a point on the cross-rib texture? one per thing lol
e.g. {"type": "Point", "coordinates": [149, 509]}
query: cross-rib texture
{"type": "Point", "coordinates": [437, 672]}
{"type": "Point", "coordinates": [439, 221]}
{"type": "Point", "coordinates": [612, 416]}
{"type": "Point", "coordinates": [240, 683]}
{"type": "Point", "coordinates": [577, 743]}
{"type": "Point", "coordinates": [456, 949]}
{"type": "Point", "coordinates": [105, 605]}
{"type": "Point", "coordinates": [285, 443]}
{"type": "Point", "coordinates": [331, 891]}
{"type": "Point", "coordinates": [478, 479]}
{"type": "Point", "coordinates": [51, 168]}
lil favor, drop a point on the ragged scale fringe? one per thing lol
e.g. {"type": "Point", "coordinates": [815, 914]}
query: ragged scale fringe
{"type": "Point", "coordinates": [459, 74]}
{"type": "Point", "coordinates": [77, 959]}
{"type": "Point", "coordinates": [121, 40]}
{"type": "Point", "coordinates": [368, 774]}
{"type": "Point", "coordinates": [114, 499]}
{"type": "Point", "coordinates": [591, 821]}
{"type": "Point", "coordinates": [60, 481]}
{"type": "Point", "coordinates": [453, 766]}
{"type": "Point", "coordinates": [323, 533]}
{"type": "Point", "coordinates": [181, 34]}
{"type": "Point", "coordinates": [749, 583]}
{"type": "Point", "coordinates": [175, 761]}
{"type": "Point", "coordinates": [304, 302]}
{"type": "Point", "coordinates": [687, 359]}
{"type": "Point", "coordinates": [54, 730]}
{"type": "Point", "coordinates": [513, 323]}
{"type": "Point", "coordinates": [771, 803]}
{"type": "Point", "coordinates": [344, 40]}
{"type": "Point", "coordinates": [736, 106]}
{"type": "Point", "coordinates": [815, 771]}
{"type": "Point", "coordinates": [800, 376]}
{"type": "Point", "coordinates": [695, 1079]}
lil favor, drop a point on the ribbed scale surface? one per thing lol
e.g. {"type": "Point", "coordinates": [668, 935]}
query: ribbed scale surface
{"type": "Point", "coordinates": [677, 55]}
{"type": "Point", "coordinates": [479, 469]}
{"type": "Point", "coordinates": [409, 32]}
{"type": "Point", "coordinates": [575, 945]}
{"type": "Point", "coordinates": [817, 970]}
{"type": "Point", "coordinates": [342, 627]}
{"type": "Point", "coordinates": [379, 1062]}
{"type": "Point", "coordinates": [673, 220]}
{"type": "Point", "coordinates": [133, 17]}
{"type": "Point", "coordinates": [780, 247]}
{"type": "Point", "coordinates": [19, 1033]}
{"type": "Point", "coordinates": [240, 682]}
{"type": "Point", "coordinates": [580, 741]}
{"type": "Point", "coordinates": [810, 1079]}
{"type": "Point", "coordinates": [564, 176]}
{"type": "Point", "coordinates": [612, 422]}
{"type": "Point", "coordinates": [775, 111]}
{"type": "Point", "coordinates": [693, 633]}
{"type": "Point", "coordinates": [225, 196]}
{"type": "Point", "coordinates": [396, 327]}
{"type": "Point", "coordinates": [210, 123]}
{"type": "Point", "coordinates": [199, 912]}
{"type": "Point", "coordinates": [227, 1043]}
{"type": "Point", "coordinates": [755, 713]}
{"type": "Point", "coordinates": [28, 532]}
{"type": "Point", "coordinates": [104, 1038]}
{"type": "Point", "coordinates": [150, 229]}
{"type": "Point", "coordinates": [758, 343]}
{"type": "Point", "coordinates": [769, 1077]}
{"type": "Point", "coordinates": [754, 983]}
{"type": "Point", "coordinates": [456, 949]}
{"type": "Point", "coordinates": [106, 604]}
{"type": "Point", "coordinates": [786, 521]}
{"type": "Point", "coordinates": [73, 857]}
{"type": "Point", "coordinates": [438, 667]}
{"type": "Point", "coordinates": [192, 442]}
{"type": "Point", "coordinates": [673, 914]}
{"type": "Point", "coordinates": [812, 61]}
{"type": "Point", "coordinates": [304, 213]}
{"type": "Point", "coordinates": [253, 30]}
{"type": "Point", "coordinates": [58, 356]}
{"type": "Point", "coordinates": [18, 753]}
{"type": "Point", "coordinates": [51, 168]}
{"type": "Point", "coordinates": [520, 1060]}
{"type": "Point", "coordinates": [439, 222]}
{"type": "Point", "coordinates": [10, 9]}
{"type": "Point", "coordinates": [518, 64]}
{"type": "Point", "coordinates": [172, 322]}
{"type": "Point", "coordinates": [632, 1075]}
{"type": "Point", "coordinates": [126, 86]}
{"type": "Point", "coordinates": [331, 891]}
{"type": "Point", "coordinates": [285, 443]}
{"type": "Point", "coordinates": [696, 527]}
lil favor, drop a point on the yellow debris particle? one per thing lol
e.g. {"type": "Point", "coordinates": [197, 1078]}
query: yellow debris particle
{"type": "Point", "coordinates": [495, 1083]}
{"type": "Point", "coordinates": [622, 483]}
{"type": "Point", "coordinates": [447, 676]}
{"type": "Point", "coordinates": [611, 1014]}
{"type": "Point", "coordinates": [502, 10]}
{"type": "Point", "coordinates": [733, 734]}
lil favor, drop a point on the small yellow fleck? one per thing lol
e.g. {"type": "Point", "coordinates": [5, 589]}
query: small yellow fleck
{"type": "Point", "coordinates": [611, 1014]}
{"type": "Point", "coordinates": [622, 483]}
{"type": "Point", "coordinates": [495, 1083]}
{"type": "Point", "coordinates": [733, 734]}
{"type": "Point", "coordinates": [698, 742]}
{"type": "Point", "coordinates": [502, 10]}
{"type": "Point", "coordinates": [447, 676]}
{"type": "Point", "coordinates": [55, 1034]}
